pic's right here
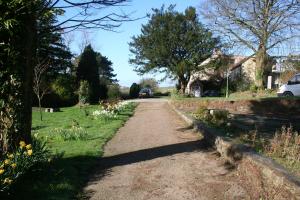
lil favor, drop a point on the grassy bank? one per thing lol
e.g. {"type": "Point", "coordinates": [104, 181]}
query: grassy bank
{"type": "Point", "coordinates": [65, 176]}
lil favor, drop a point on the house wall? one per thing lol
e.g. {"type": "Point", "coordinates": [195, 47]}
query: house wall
{"type": "Point", "coordinates": [248, 69]}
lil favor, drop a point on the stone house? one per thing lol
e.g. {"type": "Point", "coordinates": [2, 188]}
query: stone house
{"type": "Point", "coordinates": [236, 65]}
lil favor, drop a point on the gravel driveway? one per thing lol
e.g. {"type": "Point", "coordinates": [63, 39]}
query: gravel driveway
{"type": "Point", "coordinates": [155, 156]}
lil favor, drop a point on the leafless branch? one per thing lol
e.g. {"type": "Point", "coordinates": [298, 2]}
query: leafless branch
{"type": "Point", "coordinates": [40, 87]}
{"type": "Point", "coordinates": [254, 23]}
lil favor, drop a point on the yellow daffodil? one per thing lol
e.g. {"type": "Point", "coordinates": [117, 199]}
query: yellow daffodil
{"type": "Point", "coordinates": [6, 161]}
{"type": "Point", "coordinates": [29, 152]}
{"type": "Point", "coordinates": [28, 146]}
{"type": "Point", "coordinates": [10, 155]}
{"type": "Point", "coordinates": [7, 180]}
{"type": "Point", "coordinates": [22, 144]}
{"type": "Point", "coordinates": [1, 171]}
{"type": "Point", "coordinates": [13, 165]}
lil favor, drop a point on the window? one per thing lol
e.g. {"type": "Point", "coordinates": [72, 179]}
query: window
{"type": "Point", "coordinates": [297, 79]}
{"type": "Point", "coordinates": [293, 80]}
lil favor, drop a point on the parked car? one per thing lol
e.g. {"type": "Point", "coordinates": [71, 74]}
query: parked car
{"type": "Point", "coordinates": [145, 92]}
{"type": "Point", "coordinates": [292, 88]}
{"type": "Point", "coordinates": [211, 93]}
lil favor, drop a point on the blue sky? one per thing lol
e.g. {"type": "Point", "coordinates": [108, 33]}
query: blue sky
{"type": "Point", "coordinates": [115, 45]}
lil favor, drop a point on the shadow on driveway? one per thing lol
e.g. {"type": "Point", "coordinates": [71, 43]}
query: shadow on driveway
{"type": "Point", "coordinates": [152, 153]}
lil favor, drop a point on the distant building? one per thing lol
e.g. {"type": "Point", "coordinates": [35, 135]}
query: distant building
{"type": "Point", "coordinates": [236, 65]}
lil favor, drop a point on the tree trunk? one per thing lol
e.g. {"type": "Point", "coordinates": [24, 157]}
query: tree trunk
{"type": "Point", "coordinates": [30, 55]}
{"type": "Point", "coordinates": [261, 65]}
{"type": "Point", "coordinates": [183, 84]}
{"type": "Point", "coordinates": [26, 62]}
{"type": "Point", "coordinates": [17, 78]}
{"type": "Point", "coordinates": [40, 108]}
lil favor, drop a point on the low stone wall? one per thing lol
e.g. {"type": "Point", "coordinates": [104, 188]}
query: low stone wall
{"type": "Point", "coordinates": [261, 106]}
{"type": "Point", "coordinates": [261, 175]}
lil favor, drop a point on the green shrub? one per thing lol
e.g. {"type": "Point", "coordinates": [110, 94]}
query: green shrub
{"type": "Point", "coordinates": [214, 117]}
{"type": "Point", "coordinates": [176, 94]}
{"type": "Point", "coordinates": [253, 88]}
{"type": "Point", "coordinates": [84, 92]}
{"type": "Point", "coordinates": [103, 90]}
{"type": "Point", "coordinates": [114, 91]}
{"type": "Point", "coordinates": [134, 90]}
{"type": "Point", "coordinates": [202, 112]}
{"type": "Point", "coordinates": [64, 87]}
{"type": "Point", "coordinates": [26, 157]}
{"type": "Point", "coordinates": [219, 117]}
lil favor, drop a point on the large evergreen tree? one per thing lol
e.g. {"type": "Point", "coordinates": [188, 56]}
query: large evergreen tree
{"type": "Point", "coordinates": [172, 42]}
{"type": "Point", "coordinates": [106, 72]}
{"type": "Point", "coordinates": [88, 70]}
{"type": "Point", "coordinates": [51, 47]}
{"type": "Point", "coordinates": [19, 22]}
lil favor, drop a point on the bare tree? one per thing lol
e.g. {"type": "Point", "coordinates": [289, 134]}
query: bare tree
{"type": "Point", "coordinates": [258, 25]}
{"type": "Point", "coordinates": [88, 14]}
{"type": "Point", "coordinates": [84, 40]}
{"type": "Point", "coordinates": [40, 86]}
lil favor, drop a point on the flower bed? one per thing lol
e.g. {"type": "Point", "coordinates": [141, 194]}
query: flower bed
{"type": "Point", "coordinates": [15, 164]}
{"type": "Point", "coordinates": [110, 110]}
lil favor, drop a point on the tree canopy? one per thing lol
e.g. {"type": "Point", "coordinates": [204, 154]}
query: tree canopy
{"type": "Point", "coordinates": [258, 25]}
{"type": "Point", "coordinates": [172, 43]}
{"type": "Point", "coordinates": [88, 70]}
{"type": "Point", "coordinates": [106, 71]}
{"type": "Point", "coordinates": [149, 83]}
{"type": "Point", "coordinates": [23, 25]}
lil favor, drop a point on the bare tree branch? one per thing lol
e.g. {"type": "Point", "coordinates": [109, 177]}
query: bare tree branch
{"type": "Point", "coordinates": [254, 22]}
{"type": "Point", "coordinates": [40, 87]}
{"type": "Point", "coordinates": [87, 14]}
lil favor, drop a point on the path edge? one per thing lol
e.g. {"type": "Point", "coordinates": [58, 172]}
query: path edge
{"type": "Point", "coordinates": [265, 169]}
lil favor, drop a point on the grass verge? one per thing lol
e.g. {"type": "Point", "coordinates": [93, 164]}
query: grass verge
{"type": "Point", "coordinates": [66, 175]}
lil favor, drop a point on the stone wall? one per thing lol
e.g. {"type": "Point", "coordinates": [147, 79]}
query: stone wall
{"type": "Point", "coordinates": [263, 106]}
{"type": "Point", "coordinates": [263, 178]}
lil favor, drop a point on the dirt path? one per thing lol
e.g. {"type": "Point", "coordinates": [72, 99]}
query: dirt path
{"type": "Point", "coordinates": [155, 156]}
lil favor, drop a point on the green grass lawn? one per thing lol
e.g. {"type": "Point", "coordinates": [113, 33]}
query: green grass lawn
{"type": "Point", "coordinates": [65, 176]}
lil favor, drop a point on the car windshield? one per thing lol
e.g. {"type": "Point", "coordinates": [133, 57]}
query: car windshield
{"type": "Point", "coordinates": [145, 90]}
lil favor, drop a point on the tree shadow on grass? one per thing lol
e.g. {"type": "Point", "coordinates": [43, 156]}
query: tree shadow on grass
{"type": "Point", "coordinates": [268, 115]}
{"type": "Point", "coordinates": [62, 179]}
{"type": "Point", "coordinates": [276, 107]}
{"type": "Point", "coordinates": [36, 128]}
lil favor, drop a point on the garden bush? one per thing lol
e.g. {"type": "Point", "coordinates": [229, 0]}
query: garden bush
{"type": "Point", "coordinates": [26, 157]}
{"type": "Point", "coordinates": [64, 87]}
{"type": "Point", "coordinates": [202, 113]}
{"type": "Point", "coordinates": [134, 90]}
{"type": "Point", "coordinates": [214, 117]}
{"type": "Point", "coordinates": [114, 91]}
{"type": "Point", "coordinates": [219, 117]}
{"type": "Point", "coordinates": [285, 144]}
{"type": "Point", "coordinates": [84, 92]}
{"type": "Point", "coordinates": [62, 94]}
